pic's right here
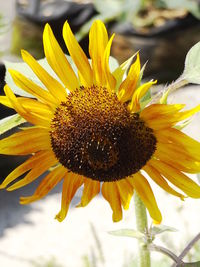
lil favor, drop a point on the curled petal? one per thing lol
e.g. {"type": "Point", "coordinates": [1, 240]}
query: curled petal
{"type": "Point", "coordinates": [179, 179]}
{"type": "Point", "coordinates": [91, 189]}
{"type": "Point", "coordinates": [71, 184]}
{"type": "Point", "coordinates": [46, 185]}
{"type": "Point", "coordinates": [145, 192]}
{"type": "Point", "coordinates": [111, 194]}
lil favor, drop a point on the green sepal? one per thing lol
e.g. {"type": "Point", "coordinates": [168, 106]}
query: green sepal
{"type": "Point", "coordinates": [163, 99]}
{"type": "Point", "coordinates": [119, 72]}
{"type": "Point", "coordinates": [141, 73]}
{"type": "Point", "coordinates": [147, 97]}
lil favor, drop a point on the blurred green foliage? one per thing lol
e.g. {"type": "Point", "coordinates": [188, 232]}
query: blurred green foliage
{"type": "Point", "coordinates": [3, 24]}
{"type": "Point", "coordinates": [141, 13]}
{"type": "Point", "coordinates": [52, 262]}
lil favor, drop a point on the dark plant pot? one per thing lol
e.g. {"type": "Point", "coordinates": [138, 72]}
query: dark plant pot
{"type": "Point", "coordinates": [164, 48]}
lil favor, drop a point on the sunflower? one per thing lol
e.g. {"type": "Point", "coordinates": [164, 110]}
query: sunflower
{"type": "Point", "coordinates": [90, 129]}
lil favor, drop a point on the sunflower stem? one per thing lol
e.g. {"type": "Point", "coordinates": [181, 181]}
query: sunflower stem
{"type": "Point", "coordinates": [142, 226]}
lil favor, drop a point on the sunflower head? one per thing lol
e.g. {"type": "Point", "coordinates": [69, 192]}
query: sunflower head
{"type": "Point", "coordinates": [93, 132]}
{"type": "Point", "coordinates": [91, 129]}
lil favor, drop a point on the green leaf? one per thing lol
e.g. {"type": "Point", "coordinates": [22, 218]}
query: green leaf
{"type": "Point", "coordinates": [155, 230]}
{"type": "Point", "coordinates": [127, 233]}
{"type": "Point", "coordinates": [10, 122]}
{"type": "Point", "coordinates": [192, 65]}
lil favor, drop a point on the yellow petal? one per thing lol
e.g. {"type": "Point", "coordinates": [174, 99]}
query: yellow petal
{"type": "Point", "coordinates": [128, 86]}
{"type": "Point", "coordinates": [145, 192]}
{"type": "Point", "coordinates": [34, 119]}
{"type": "Point", "coordinates": [26, 142]}
{"type": "Point", "coordinates": [138, 94]}
{"type": "Point", "coordinates": [177, 178]}
{"type": "Point", "coordinates": [180, 139]}
{"type": "Point", "coordinates": [159, 180]}
{"type": "Point", "coordinates": [91, 189]}
{"type": "Point", "coordinates": [188, 113]}
{"type": "Point", "coordinates": [30, 105]}
{"type": "Point", "coordinates": [169, 121]}
{"type": "Point", "coordinates": [98, 39]}
{"type": "Point", "coordinates": [166, 117]}
{"type": "Point", "coordinates": [111, 82]}
{"type": "Point", "coordinates": [46, 185]}
{"type": "Point", "coordinates": [42, 166]}
{"type": "Point", "coordinates": [36, 107]}
{"type": "Point", "coordinates": [57, 60]}
{"type": "Point", "coordinates": [111, 194]}
{"type": "Point", "coordinates": [178, 157]}
{"type": "Point", "coordinates": [125, 191]}
{"type": "Point", "coordinates": [71, 184]}
{"type": "Point", "coordinates": [26, 166]}
{"type": "Point", "coordinates": [119, 72]}
{"type": "Point", "coordinates": [54, 87]}
{"type": "Point", "coordinates": [5, 101]}
{"type": "Point", "coordinates": [156, 111]}
{"type": "Point", "coordinates": [78, 55]}
{"type": "Point", "coordinates": [27, 85]}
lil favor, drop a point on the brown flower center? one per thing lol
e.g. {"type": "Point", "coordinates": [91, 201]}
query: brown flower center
{"type": "Point", "coordinates": [94, 135]}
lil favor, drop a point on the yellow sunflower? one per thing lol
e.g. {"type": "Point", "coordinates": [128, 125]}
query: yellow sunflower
{"type": "Point", "coordinates": [89, 129]}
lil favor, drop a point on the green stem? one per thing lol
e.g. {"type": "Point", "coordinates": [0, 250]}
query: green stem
{"type": "Point", "coordinates": [142, 226]}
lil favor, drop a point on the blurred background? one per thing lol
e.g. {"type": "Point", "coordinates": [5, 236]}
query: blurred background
{"type": "Point", "coordinates": [163, 31]}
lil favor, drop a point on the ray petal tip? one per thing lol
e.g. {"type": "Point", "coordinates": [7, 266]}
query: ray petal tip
{"type": "Point", "coordinates": [66, 25]}
{"type": "Point", "coordinates": [2, 186]}
{"type": "Point", "coordinates": [47, 30]}
{"type": "Point", "coordinates": [116, 217]}
{"type": "Point", "coordinates": [23, 52]}
{"type": "Point", "coordinates": [157, 221]}
{"type": "Point", "coordinates": [59, 217]}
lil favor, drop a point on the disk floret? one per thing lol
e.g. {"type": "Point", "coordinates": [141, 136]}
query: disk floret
{"type": "Point", "coordinates": [93, 134]}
